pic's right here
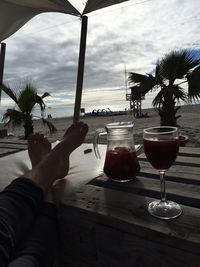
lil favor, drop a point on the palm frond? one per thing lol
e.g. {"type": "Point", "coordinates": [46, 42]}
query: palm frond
{"type": "Point", "coordinates": [158, 100]}
{"type": "Point", "coordinates": [9, 92]}
{"type": "Point", "coordinates": [40, 102]}
{"type": "Point", "coordinates": [173, 92]}
{"type": "Point", "coordinates": [193, 79]}
{"type": "Point", "coordinates": [13, 116]}
{"type": "Point", "coordinates": [148, 84]}
{"type": "Point", "coordinates": [45, 95]}
{"type": "Point", "coordinates": [50, 125]}
{"type": "Point", "coordinates": [158, 77]}
{"type": "Point", "coordinates": [26, 99]}
{"type": "Point", "coordinates": [144, 82]}
{"type": "Point", "coordinates": [177, 64]}
{"type": "Point", "coordinates": [136, 77]}
{"type": "Point", "coordinates": [178, 93]}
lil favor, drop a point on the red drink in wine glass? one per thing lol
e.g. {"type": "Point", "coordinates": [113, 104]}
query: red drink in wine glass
{"type": "Point", "coordinates": [161, 153]}
{"type": "Point", "coordinates": [161, 145]}
{"type": "Point", "coordinates": [121, 164]}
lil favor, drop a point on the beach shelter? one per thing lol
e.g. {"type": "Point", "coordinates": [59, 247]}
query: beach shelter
{"type": "Point", "coordinates": [15, 13]}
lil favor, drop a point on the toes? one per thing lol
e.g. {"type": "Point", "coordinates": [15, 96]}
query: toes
{"type": "Point", "coordinates": [75, 135]}
{"type": "Point", "coordinates": [36, 139]}
{"type": "Point", "coordinates": [73, 127]}
{"type": "Point", "coordinates": [40, 137]}
{"type": "Point", "coordinates": [32, 139]}
{"type": "Point", "coordinates": [79, 126]}
{"type": "Point", "coordinates": [47, 144]}
{"type": "Point", "coordinates": [84, 129]}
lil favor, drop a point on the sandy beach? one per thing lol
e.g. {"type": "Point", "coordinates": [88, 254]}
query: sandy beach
{"type": "Point", "coordinates": [189, 125]}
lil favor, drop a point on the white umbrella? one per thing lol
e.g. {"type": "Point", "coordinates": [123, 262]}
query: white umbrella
{"type": "Point", "coordinates": [15, 13]}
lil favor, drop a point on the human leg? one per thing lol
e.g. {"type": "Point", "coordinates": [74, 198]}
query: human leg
{"type": "Point", "coordinates": [55, 164]}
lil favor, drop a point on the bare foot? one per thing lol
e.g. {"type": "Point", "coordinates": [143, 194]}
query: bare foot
{"type": "Point", "coordinates": [38, 148]}
{"type": "Point", "coordinates": [55, 164]}
{"type": "Point", "coordinates": [74, 136]}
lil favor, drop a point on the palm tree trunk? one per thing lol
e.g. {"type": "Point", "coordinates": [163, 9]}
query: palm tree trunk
{"type": "Point", "coordinates": [168, 112]}
{"type": "Point", "coordinates": [28, 126]}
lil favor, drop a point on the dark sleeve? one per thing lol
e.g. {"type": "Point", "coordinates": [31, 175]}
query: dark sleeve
{"type": "Point", "coordinates": [19, 204]}
{"type": "Point", "coordinates": [38, 249]}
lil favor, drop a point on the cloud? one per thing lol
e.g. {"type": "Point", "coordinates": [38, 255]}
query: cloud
{"type": "Point", "coordinates": [132, 34]}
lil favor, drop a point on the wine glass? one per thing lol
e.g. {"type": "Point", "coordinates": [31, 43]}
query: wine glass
{"type": "Point", "coordinates": [161, 145]}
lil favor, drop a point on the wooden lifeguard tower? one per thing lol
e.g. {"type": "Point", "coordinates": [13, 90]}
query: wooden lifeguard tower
{"type": "Point", "coordinates": [135, 98]}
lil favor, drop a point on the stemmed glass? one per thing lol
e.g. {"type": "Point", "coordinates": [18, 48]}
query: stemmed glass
{"type": "Point", "coordinates": [161, 145]}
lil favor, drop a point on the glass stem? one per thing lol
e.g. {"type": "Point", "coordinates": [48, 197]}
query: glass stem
{"type": "Point", "coordinates": [162, 185]}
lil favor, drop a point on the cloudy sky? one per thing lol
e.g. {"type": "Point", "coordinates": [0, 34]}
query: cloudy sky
{"type": "Point", "coordinates": [135, 33]}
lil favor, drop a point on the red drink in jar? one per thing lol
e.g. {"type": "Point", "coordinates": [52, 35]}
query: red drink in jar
{"type": "Point", "coordinates": [121, 164]}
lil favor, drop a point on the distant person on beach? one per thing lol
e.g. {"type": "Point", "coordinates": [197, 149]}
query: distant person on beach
{"type": "Point", "coordinates": [27, 213]}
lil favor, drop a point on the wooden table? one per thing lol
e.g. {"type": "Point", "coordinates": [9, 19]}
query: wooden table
{"type": "Point", "coordinates": [107, 224]}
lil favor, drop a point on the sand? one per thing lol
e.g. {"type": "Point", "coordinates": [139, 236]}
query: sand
{"type": "Point", "coordinates": [189, 125]}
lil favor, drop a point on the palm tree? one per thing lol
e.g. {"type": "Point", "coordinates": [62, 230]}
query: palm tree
{"type": "Point", "coordinates": [172, 72]}
{"type": "Point", "coordinates": [25, 103]}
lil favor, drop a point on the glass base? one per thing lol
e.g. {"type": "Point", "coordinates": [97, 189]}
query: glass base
{"type": "Point", "coordinates": [164, 210]}
{"type": "Point", "coordinates": [121, 180]}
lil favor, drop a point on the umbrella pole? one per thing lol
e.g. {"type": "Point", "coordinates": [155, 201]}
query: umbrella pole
{"type": "Point", "coordinates": [2, 60]}
{"type": "Point", "coordinates": [79, 83]}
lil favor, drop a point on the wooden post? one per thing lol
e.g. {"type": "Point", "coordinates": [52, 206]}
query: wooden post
{"type": "Point", "coordinates": [2, 60]}
{"type": "Point", "coordinates": [79, 83]}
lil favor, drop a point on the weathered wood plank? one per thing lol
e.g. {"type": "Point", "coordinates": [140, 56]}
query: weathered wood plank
{"type": "Point", "coordinates": [189, 151]}
{"type": "Point", "coordinates": [128, 212]}
{"type": "Point", "coordinates": [7, 151]}
{"type": "Point", "coordinates": [183, 174]}
{"type": "Point", "coordinates": [11, 141]}
{"type": "Point", "coordinates": [77, 241]}
{"type": "Point", "coordinates": [121, 249]}
{"type": "Point", "coordinates": [8, 147]}
{"type": "Point", "coordinates": [12, 145]}
{"type": "Point", "coordinates": [94, 244]}
{"type": "Point", "coordinates": [189, 161]}
{"type": "Point", "coordinates": [182, 193]}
